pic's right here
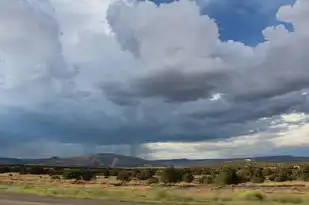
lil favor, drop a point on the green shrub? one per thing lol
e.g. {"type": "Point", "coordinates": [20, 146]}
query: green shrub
{"type": "Point", "coordinates": [206, 180]}
{"type": "Point", "coordinates": [124, 176]}
{"type": "Point", "coordinates": [243, 175]}
{"type": "Point", "coordinates": [88, 175]}
{"type": "Point", "coordinates": [187, 177]}
{"type": "Point", "coordinates": [76, 174]}
{"type": "Point", "coordinates": [227, 176]}
{"type": "Point", "coordinates": [72, 174]}
{"type": "Point", "coordinates": [106, 173]}
{"type": "Point", "coordinates": [281, 176]}
{"type": "Point", "coordinates": [171, 175]}
{"type": "Point", "coordinates": [52, 172]}
{"type": "Point", "coordinates": [36, 170]}
{"type": "Point", "coordinates": [135, 174]}
{"type": "Point", "coordinates": [287, 199]}
{"type": "Point", "coordinates": [303, 173]}
{"type": "Point", "coordinates": [252, 174]}
{"type": "Point", "coordinates": [253, 195]}
{"type": "Point", "coordinates": [55, 177]}
{"type": "Point", "coordinates": [162, 194]}
{"type": "Point", "coordinates": [114, 172]}
{"type": "Point", "coordinates": [152, 180]}
{"type": "Point", "coordinates": [267, 172]}
{"type": "Point", "coordinates": [145, 174]}
{"type": "Point", "coordinates": [4, 170]}
{"type": "Point", "coordinates": [257, 179]}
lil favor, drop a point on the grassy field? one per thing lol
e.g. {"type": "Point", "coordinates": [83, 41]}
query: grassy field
{"type": "Point", "coordinates": [109, 189]}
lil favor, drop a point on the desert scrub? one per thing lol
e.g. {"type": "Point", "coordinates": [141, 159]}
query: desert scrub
{"type": "Point", "coordinates": [252, 195]}
{"type": "Point", "coordinates": [287, 199]}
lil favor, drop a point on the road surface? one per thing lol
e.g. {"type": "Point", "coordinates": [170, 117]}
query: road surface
{"type": "Point", "coordinates": [23, 199]}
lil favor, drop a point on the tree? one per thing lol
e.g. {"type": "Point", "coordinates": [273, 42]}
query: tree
{"type": "Point", "coordinates": [114, 172]}
{"type": "Point", "coordinates": [77, 174]}
{"type": "Point", "coordinates": [152, 180]}
{"type": "Point", "coordinates": [106, 173]}
{"type": "Point", "coordinates": [207, 179]}
{"type": "Point", "coordinates": [88, 175]}
{"type": "Point", "coordinates": [188, 177]}
{"type": "Point", "coordinates": [227, 176]}
{"type": "Point", "coordinates": [36, 170]}
{"type": "Point", "coordinates": [252, 174]}
{"type": "Point", "coordinates": [72, 174]}
{"type": "Point", "coordinates": [171, 175]}
{"type": "Point", "coordinates": [145, 174]}
{"type": "Point", "coordinates": [55, 177]}
{"type": "Point", "coordinates": [135, 173]}
{"type": "Point", "coordinates": [267, 172]}
{"type": "Point", "coordinates": [303, 173]}
{"type": "Point", "coordinates": [281, 175]}
{"type": "Point", "coordinates": [124, 176]}
{"type": "Point", "coordinates": [4, 170]}
{"type": "Point", "coordinates": [243, 175]}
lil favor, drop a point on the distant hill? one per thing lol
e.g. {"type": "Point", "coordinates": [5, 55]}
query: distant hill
{"type": "Point", "coordinates": [108, 160]}
{"type": "Point", "coordinates": [95, 160]}
{"type": "Point", "coordinates": [11, 161]}
{"type": "Point", "coordinates": [197, 162]}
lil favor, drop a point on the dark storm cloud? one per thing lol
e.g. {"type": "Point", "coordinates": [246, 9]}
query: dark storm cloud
{"type": "Point", "coordinates": [251, 110]}
{"type": "Point", "coordinates": [171, 85]}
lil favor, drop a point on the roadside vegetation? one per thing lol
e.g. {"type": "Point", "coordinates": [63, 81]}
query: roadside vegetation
{"type": "Point", "coordinates": [239, 184]}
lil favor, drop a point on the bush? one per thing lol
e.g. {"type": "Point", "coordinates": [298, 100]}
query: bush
{"type": "Point", "coordinates": [282, 175]}
{"type": "Point", "coordinates": [85, 175]}
{"type": "Point", "coordinates": [88, 175]}
{"type": "Point", "coordinates": [124, 176]}
{"type": "Point", "coordinates": [243, 175]}
{"type": "Point", "coordinates": [106, 173]}
{"type": "Point", "coordinates": [253, 195]}
{"type": "Point", "coordinates": [36, 170]}
{"type": "Point", "coordinates": [188, 177]}
{"type": "Point", "coordinates": [72, 174]}
{"type": "Point", "coordinates": [252, 174]}
{"type": "Point", "coordinates": [114, 172]}
{"type": "Point", "coordinates": [267, 172]}
{"type": "Point", "coordinates": [4, 170]}
{"type": "Point", "coordinates": [152, 180]}
{"type": "Point", "coordinates": [135, 173]}
{"type": "Point", "coordinates": [227, 176]}
{"type": "Point", "coordinates": [171, 175]}
{"type": "Point", "coordinates": [17, 169]}
{"type": "Point", "coordinates": [22, 170]}
{"type": "Point", "coordinates": [55, 177]}
{"type": "Point", "coordinates": [206, 179]}
{"type": "Point", "coordinates": [257, 179]}
{"type": "Point", "coordinates": [287, 199]}
{"type": "Point", "coordinates": [304, 173]}
{"type": "Point", "coordinates": [52, 172]}
{"type": "Point", "coordinates": [145, 174]}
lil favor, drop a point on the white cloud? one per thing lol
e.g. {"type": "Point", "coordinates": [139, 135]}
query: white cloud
{"type": "Point", "coordinates": [259, 144]}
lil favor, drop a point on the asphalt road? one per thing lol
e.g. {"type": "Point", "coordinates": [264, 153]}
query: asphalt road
{"type": "Point", "coordinates": [20, 199]}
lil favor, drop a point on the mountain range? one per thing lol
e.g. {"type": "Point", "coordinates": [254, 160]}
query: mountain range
{"type": "Point", "coordinates": [114, 160]}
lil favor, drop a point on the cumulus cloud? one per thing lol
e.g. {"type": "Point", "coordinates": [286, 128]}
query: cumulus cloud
{"type": "Point", "coordinates": [244, 20]}
{"type": "Point", "coordinates": [127, 72]}
{"type": "Point", "coordinates": [293, 132]}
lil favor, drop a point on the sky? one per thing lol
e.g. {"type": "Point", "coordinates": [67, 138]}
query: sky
{"type": "Point", "coordinates": [154, 79]}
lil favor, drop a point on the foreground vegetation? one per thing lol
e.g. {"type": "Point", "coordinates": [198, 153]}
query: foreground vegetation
{"type": "Point", "coordinates": [237, 184]}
